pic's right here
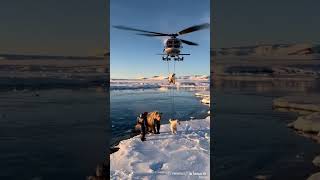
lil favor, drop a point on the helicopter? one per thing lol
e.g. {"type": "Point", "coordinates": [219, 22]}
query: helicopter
{"type": "Point", "coordinates": [173, 45]}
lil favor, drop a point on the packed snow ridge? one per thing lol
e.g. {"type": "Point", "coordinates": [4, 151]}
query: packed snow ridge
{"type": "Point", "coordinates": [185, 155]}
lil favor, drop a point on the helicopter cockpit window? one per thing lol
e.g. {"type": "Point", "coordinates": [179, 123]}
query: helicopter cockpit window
{"type": "Point", "coordinates": [173, 43]}
{"type": "Point", "coordinates": [176, 44]}
{"type": "Point", "coordinates": [169, 44]}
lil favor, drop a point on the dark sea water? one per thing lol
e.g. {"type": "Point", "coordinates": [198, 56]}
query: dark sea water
{"type": "Point", "coordinates": [126, 105]}
{"type": "Point", "coordinates": [251, 138]}
{"type": "Point", "coordinates": [60, 133]}
{"type": "Point", "coordinates": [52, 134]}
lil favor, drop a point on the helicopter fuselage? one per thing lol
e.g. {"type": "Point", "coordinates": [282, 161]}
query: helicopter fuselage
{"type": "Point", "coordinates": [172, 52]}
{"type": "Point", "coordinates": [172, 49]}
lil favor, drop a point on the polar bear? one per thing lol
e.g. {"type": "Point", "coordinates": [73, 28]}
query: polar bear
{"type": "Point", "coordinates": [153, 122]}
{"type": "Point", "coordinates": [173, 125]}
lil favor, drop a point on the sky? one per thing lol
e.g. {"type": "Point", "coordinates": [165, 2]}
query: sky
{"type": "Point", "coordinates": [133, 56]}
{"type": "Point", "coordinates": [53, 27]}
{"type": "Point", "coordinates": [80, 27]}
{"type": "Point", "coordinates": [250, 22]}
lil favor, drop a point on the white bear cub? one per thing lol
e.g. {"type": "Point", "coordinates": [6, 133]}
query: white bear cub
{"type": "Point", "coordinates": [173, 125]}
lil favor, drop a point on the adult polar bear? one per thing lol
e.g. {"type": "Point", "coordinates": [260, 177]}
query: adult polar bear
{"type": "Point", "coordinates": [153, 122]}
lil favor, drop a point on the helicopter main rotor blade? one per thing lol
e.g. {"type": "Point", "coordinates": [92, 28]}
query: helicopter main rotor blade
{"type": "Point", "coordinates": [152, 35]}
{"type": "Point", "coordinates": [138, 30]}
{"type": "Point", "coordinates": [194, 28]}
{"type": "Point", "coordinates": [189, 42]}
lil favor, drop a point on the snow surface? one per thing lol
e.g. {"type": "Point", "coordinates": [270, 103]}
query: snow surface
{"type": "Point", "coordinates": [185, 155]}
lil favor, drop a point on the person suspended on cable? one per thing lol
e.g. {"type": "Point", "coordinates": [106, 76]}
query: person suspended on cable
{"type": "Point", "coordinates": [172, 78]}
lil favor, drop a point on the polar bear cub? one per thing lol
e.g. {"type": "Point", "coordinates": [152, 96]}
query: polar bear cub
{"type": "Point", "coordinates": [173, 125]}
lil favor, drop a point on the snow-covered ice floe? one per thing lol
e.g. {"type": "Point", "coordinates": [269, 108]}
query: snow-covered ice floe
{"type": "Point", "coordinates": [188, 84]}
{"type": "Point", "coordinates": [121, 84]}
{"type": "Point", "coordinates": [206, 100]}
{"type": "Point", "coordinates": [306, 103]}
{"type": "Point", "coordinates": [205, 96]}
{"type": "Point", "coordinates": [166, 156]}
{"type": "Point", "coordinates": [124, 86]}
{"type": "Point", "coordinates": [307, 106]}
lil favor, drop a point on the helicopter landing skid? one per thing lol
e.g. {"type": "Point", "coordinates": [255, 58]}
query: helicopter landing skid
{"type": "Point", "coordinates": [178, 59]}
{"type": "Point", "coordinates": [175, 59]}
{"type": "Point", "coordinates": [166, 59]}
